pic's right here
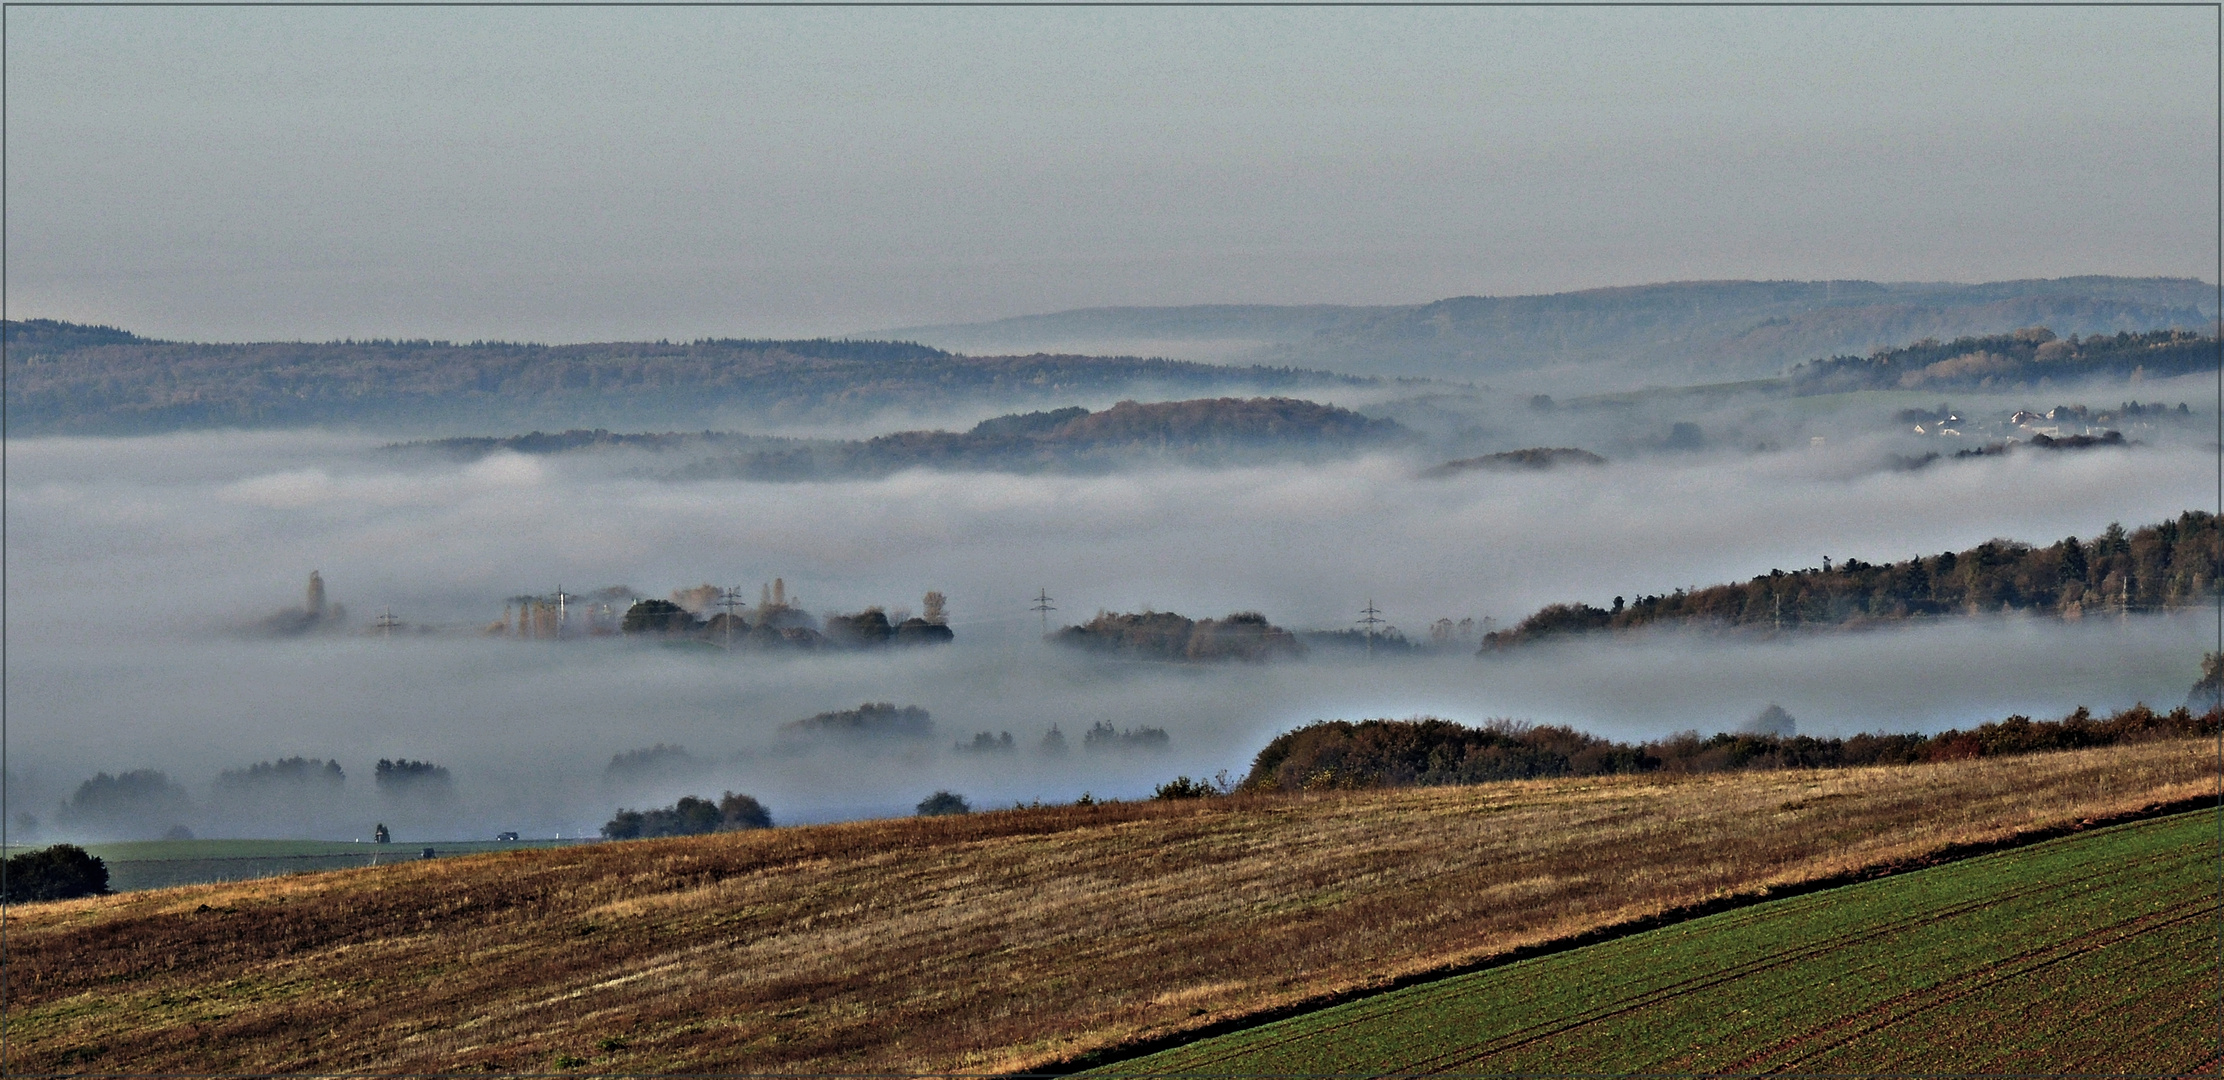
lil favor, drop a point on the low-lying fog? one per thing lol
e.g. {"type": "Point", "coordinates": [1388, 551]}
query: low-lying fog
{"type": "Point", "coordinates": [135, 562]}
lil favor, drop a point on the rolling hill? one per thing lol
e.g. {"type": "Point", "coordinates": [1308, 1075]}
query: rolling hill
{"type": "Point", "coordinates": [69, 379]}
{"type": "Point", "coordinates": [999, 941]}
{"type": "Point", "coordinates": [1603, 339]}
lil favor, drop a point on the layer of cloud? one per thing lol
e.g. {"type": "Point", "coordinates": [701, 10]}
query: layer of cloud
{"type": "Point", "coordinates": [131, 560]}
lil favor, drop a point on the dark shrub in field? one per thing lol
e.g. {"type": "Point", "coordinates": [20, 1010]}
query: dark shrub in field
{"type": "Point", "coordinates": [742, 812]}
{"type": "Point", "coordinates": [943, 802]}
{"type": "Point", "coordinates": [1182, 787]}
{"type": "Point", "coordinates": [56, 873]}
{"type": "Point", "coordinates": [690, 816]}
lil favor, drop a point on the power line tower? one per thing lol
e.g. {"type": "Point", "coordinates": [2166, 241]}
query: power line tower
{"type": "Point", "coordinates": [730, 599]}
{"type": "Point", "coordinates": [1043, 608]}
{"type": "Point", "coordinates": [561, 596]}
{"type": "Point", "coordinates": [386, 623]}
{"type": "Point", "coordinates": [1371, 617]}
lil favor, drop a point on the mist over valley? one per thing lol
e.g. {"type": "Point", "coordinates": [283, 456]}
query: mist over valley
{"type": "Point", "coordinates": [149, 568]}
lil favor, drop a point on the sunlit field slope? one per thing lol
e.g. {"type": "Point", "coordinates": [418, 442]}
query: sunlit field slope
{"type": "Point", "coordinates": [2094, 953]}
{"type": "Point", "coordinates": [992, 941]}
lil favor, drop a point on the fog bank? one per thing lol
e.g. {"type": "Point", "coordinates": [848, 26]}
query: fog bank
{"type": "Point", "coordinates": [134, 562]}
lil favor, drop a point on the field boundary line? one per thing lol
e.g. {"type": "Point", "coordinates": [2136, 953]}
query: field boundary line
{"type": "Point", "coordinates": [1949, 853]}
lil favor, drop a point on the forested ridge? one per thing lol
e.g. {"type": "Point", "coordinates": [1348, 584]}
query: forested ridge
{"type": "Point", "coordinates": [2158, 567]}
{"type": "Point", "coordinates": [78, 379]}
{"type": "Point", "coordinates": [2025, 358]}
{"type": "Point", "coordinates": [1209, 430]}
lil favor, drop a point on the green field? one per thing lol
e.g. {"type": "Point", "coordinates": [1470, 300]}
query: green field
{"type": "Point", "coordinates": [2095, 953]}
{"type": "Point", "coordinates": [156, 864]}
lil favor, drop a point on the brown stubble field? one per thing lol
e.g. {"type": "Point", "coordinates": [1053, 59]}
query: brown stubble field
{"type": "Point", "coordinates": [998, 941]}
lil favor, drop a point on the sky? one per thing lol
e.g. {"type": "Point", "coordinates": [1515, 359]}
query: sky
{"type": "Point", "coordinates": [559, 174]}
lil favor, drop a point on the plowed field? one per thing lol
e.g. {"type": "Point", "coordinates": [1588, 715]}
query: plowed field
{"type": "Point", "coordinates": [987, 942]}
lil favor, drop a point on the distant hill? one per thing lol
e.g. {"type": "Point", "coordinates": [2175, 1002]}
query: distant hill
{"type": "Point", "coordinates": [1672, 333]}
{"type": "Point", "coordinates": [65, 378]}
{"type": "Point", "coordinates": [1206, 431]}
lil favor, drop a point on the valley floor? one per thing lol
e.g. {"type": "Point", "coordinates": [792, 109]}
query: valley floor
{"type": "Point", "coordinates": [996, 941]}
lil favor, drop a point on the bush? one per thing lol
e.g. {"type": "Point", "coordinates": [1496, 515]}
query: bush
{"type": "Point", "coordinates": [56, 873]}
{"type": "Point", "coordinates": [1182, 787]}
{"type": "Point", "coordinates": [742, 812]}
{"type": "Point", "coordinates": [942, 803]}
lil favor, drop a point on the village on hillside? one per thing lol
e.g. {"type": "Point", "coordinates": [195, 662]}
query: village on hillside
{"type": "Point", "coordinates": [703, 614]}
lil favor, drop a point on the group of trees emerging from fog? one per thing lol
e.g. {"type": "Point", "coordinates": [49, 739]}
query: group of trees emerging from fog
{"type": "Point", "coordinates": [418, 779]}
{"type": "Point", "coordinates": [292, 772]}
{"type": "Point", "coordinates": [1163, 635]}
{"type": "Point", "coordinates": [1336, 754]}
{"type": "Point", "coordinates": [776, 624]}
{"type": "Point", "coordinates": [2026, 358]}
{"type": "Point", "coordinates": [147, 803]}
{"type": "Point", "coordinates": [2160, 567]}
{"type": "Point", "coordinates": [691, 816]}
{"type": "Point", "coordinates": [872, 720]}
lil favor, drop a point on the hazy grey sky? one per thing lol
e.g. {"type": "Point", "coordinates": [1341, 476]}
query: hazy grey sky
{"type": "Point", "coordinates": [567, 174]}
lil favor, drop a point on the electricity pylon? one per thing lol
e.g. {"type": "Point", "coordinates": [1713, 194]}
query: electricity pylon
{"type": "Point", "coordinates": [1370, 617]}
{"type": "Point", "coordinates": [1042, 607]}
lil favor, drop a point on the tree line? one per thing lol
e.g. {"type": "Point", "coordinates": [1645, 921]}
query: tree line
{"type": "Point", "coordinates": [2003, 361]}
{"type": "Point", "coordinates": [1203, 430]}
{"type": "Point", "coordinates": [1341, 754]}
{"type": "Point", "coordinates": [778, 624]}
{"type": "Point", "coordinates": [147, 803]}
{"type": "Point", "coordinates": [2160, 567]}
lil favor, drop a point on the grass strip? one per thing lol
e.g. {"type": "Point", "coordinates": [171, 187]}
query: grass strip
{"type": "Point", "coordinates": [2092, 953]}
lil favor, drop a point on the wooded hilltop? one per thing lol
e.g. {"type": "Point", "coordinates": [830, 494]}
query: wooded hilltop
{"type": "Point", "coordinates": [2025, 359]}
{"type": "Point", "coordinates": [2161, 567]}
